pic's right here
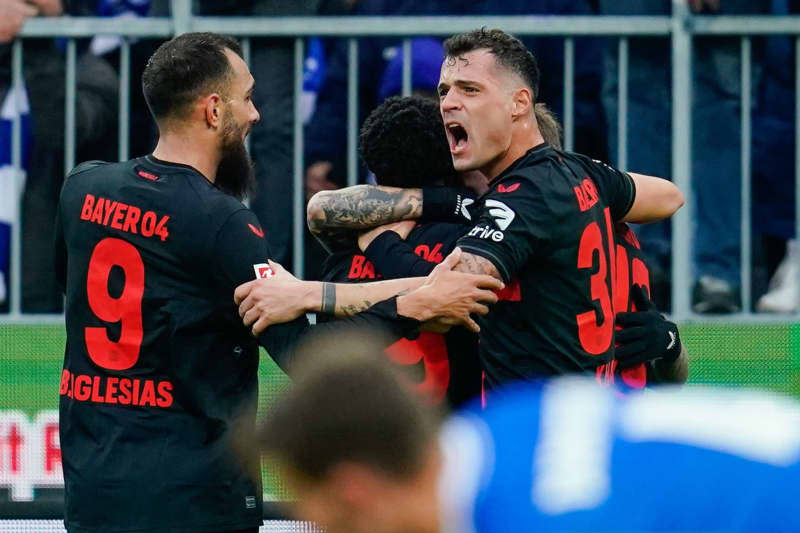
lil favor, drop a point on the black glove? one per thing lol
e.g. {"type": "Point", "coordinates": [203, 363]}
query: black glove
{"type": "Point", "coordinates": [443, 204]}
{"type": "Point", "coordinates": [646, 334]}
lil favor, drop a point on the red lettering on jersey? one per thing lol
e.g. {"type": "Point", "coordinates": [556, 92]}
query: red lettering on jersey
{"type": "Point", "coordinates": [635, 377]}
{"type": "Point", "coordinates": [97, 216]}
{"type": "Point", "coordinates": [64, 382]}
{"type": "Point", "coordinates": [148, 396]}
{"type": "Point", "coordinates": [511, 188]}
{"type": "Point", "coordinates": [116, 220]}
{"type": "Point", "coordinates": [124, 391]}
{"type": "Point", "coordinates": [113, 390]}
{"type": "Point", "coordinates": [124, 217]}
{"type": "Point", "coordinates": [109, 208]}
{"type": "Point", "coordinates": [147, 175]}
{"type": "Point", "coordinates": [83, 388]}
{"type": "Point", "coordinates": [88, 205]}
{"type": "Point", "coordinates": [360, 268]}
{"type": "Point", "coordinates": [258, 231]}
{"type": "Point", "coordinates": [586, 195]}
{"type": "Point", "coordinates": [510, 293]}
{"type": "Point", "coordinates": [164, 394]}
{"type": "Point", "coordinates": [430, 348]}
{"type": "Point", "coordinates": [134, 213]}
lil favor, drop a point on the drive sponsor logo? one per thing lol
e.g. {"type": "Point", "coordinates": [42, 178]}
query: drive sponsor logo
{"type": "Point", "coordinates": [30, 453]}
{"type": "Point", "coordinates": [502, 214]}
{"type": "Point", "coordinates": [263, 271]}
{"type": "Point", "coordinates": [485, 232]}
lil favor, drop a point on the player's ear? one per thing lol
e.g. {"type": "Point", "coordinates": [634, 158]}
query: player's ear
{"type": "Point", "coordinates": [213, 110]}
{"type": "Point", "coordinates": [522, 103]}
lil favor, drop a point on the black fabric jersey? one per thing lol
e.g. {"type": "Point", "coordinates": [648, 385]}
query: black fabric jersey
{"type": "Point", "coordinates": [441, 366]}
{"type": "Point", "coordinates": [159, 387]}
{"type": "Point", "coordinates": [631, 270]}
{"type": "Point", "coordinates": [547, 226]}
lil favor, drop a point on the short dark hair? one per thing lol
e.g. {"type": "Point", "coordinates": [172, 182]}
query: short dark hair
{"type": "Point", "coordinates": [347, 403]}
{"type": "Point", "coordinates": [404, 144]}
{"type": "Point", "coordinates": [507, 49]}
{"type": "Point", "coordinates": [185, 67]}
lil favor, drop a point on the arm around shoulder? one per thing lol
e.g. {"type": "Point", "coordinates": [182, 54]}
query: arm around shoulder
{"type": "Point", "coordinates": [656, 199]}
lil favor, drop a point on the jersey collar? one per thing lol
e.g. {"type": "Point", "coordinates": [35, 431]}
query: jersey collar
{"type": "Point", "coordinates": [536, 150]}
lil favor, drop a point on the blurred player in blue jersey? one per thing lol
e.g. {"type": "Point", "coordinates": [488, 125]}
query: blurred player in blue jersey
{"type": "Point", "coordinates": [362, 453]}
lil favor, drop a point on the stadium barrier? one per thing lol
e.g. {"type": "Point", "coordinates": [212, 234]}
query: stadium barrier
{"type": "Point", "coordinates": [743, 349]}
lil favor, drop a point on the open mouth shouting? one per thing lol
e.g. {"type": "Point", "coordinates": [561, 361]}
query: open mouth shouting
{"type": "Point", "coordinates": [457, 136]}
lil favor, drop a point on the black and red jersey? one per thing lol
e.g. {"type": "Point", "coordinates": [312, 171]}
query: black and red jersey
{"type": "Point", "coordinates": [547, 225]}
{"type": "Point", "coordinates": [441, 366]}
{"type": "Point", "coordinates": [159, 386]}
{"type": "Point", "coordinates": [631, 270]}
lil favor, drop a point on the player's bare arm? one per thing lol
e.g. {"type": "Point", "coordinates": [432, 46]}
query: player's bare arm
{"type": "Point", "coordinates": [656, 199]}
{"type": "Point", "coordinates": [443, 294]}
{"type": "Point", "coordinates": [332, 215]}
{"type": "Point", "coordinates": [475, 264]}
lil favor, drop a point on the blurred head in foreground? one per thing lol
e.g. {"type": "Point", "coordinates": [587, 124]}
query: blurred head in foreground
{"type": "Point", "coordinates": [355, 446]}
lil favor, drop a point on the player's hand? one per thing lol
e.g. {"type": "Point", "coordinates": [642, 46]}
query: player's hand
{"type": "Point", "coordinates": [646, 334]}
{"type": "Point", "coordinates": [448, 297]}
{"type": "Point", "coordinates": [12, 16]}
{"type": "Point", "coordinates": [48, 8]}
{"type": "Point", "coordinates": [402, 228]}
{"type": "Point", "coordinates": [273, 300]}
{"type": "Point", "coordinates": [317, 178]}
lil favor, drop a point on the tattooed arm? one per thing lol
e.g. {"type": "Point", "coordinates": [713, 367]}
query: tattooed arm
{"type": "Point", "coordinates": [475, 264]}
{"type": "Point", "coordinates": [334, 216]}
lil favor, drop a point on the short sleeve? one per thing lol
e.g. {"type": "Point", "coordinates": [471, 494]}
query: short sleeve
{"type": "Point", "coordinates": [239, 250]}
{"type": "Point", "coordinates": [514, 222]}
{"type": "Point", "coordinates": [615, 186]}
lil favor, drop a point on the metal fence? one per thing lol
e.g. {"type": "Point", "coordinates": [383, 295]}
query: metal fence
{"type": "Point", "coordinates": [681, 27]}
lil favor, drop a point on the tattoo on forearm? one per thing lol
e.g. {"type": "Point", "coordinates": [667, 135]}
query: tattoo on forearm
{"type": "Point", "coordinates": [328, 298]}
{"type": "Point", "coordinates": [361, 207]}
{"type": "Point", "coordinates": [475, 264]}
{"type": "Point", "coordinates": [354, 309]}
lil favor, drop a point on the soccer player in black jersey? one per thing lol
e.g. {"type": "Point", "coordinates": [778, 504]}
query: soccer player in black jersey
{"type": "Point", "coordinates": [402, 142]}
{"type": "Point", "coordinates": [546, 225]}
{"type": "Point", "coordinates": [159, 386]}
{"type": "Point", "coordinates": [399, 139]}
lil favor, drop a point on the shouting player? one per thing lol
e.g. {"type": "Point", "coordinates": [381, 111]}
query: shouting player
{"type": "Point", "coordinates": [401, 139]}
{"type": "Point", "coordinates": [159, 385]}
{"type": "Point", "coordinates": [545, 227]}
{"type": "Point", "coordinates": [566, 455]}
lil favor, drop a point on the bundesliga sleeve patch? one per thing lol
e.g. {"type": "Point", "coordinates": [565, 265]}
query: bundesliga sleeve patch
{"type": "Point", "coordinates": [263, 271]}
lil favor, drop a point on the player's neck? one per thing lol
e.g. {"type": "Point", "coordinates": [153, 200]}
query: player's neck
{"type": "Point", "coordinates": [186, 149]}
{"type": "Point", "coordinates": [523, 139]}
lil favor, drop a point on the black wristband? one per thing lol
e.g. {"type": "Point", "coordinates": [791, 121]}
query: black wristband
{"type": "Point", "coordinates": [443, 204]}
{"type": "Point", "coordinates": [398, 324]}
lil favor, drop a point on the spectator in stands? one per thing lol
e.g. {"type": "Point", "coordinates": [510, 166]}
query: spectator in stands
{"type": "Point", "coordinates": [95, 119]}
{"type": "Point", "coordinates": [773, 170]}
{"type": "Point", "coordinates": [716, 92]}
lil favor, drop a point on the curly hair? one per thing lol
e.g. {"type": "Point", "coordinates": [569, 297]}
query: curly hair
{"type": "Point", "coordinates": [404, 144]}
{"type": "Point", "coordinates": [507, 49]}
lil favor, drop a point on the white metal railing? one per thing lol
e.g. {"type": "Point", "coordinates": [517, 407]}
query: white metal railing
{"type": "Point", "coordinates": [680, 27]}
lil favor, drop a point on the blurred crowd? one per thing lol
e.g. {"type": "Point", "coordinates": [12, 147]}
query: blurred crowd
{"type": "Point", "coordinates": [716, 130]}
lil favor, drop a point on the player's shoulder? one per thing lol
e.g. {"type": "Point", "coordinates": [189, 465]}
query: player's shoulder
{"type": "Point", "coordinates": [86, 166]}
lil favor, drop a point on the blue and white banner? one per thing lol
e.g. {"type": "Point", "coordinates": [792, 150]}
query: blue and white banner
{"type": "Point", "coordinates": [12, 180]}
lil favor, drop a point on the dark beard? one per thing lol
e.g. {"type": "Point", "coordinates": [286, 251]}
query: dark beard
{"type": "Point", "coordinates": [235, 174]}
